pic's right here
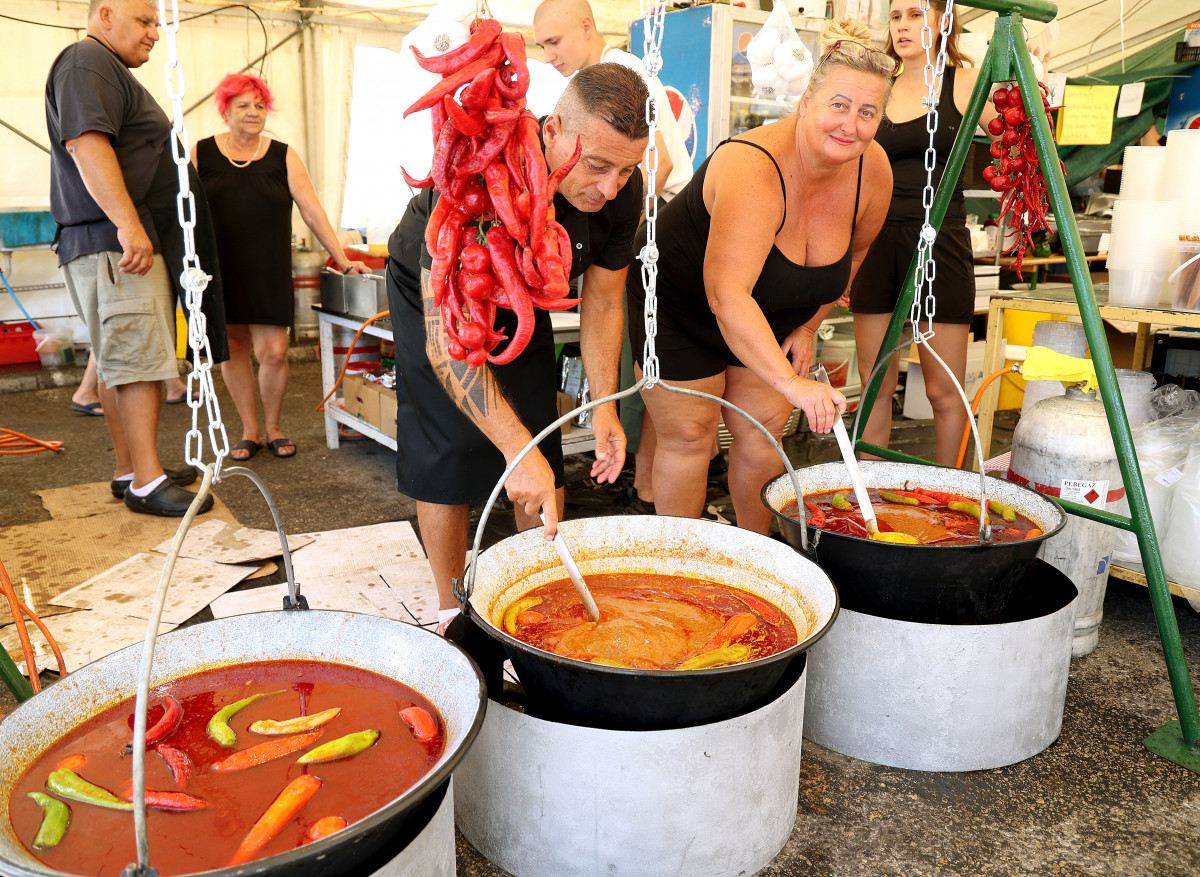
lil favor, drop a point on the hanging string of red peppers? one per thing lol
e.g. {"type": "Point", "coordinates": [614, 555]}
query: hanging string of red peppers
{"type": "Point", "coordinates": [1016, 170]}
{"type": "Point", "coordinates": [492, 234]}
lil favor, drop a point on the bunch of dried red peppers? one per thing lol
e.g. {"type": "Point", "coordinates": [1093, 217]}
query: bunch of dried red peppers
{"type": "Point", "coordinates": [492, 234]}
{"type": "Point", "coordinates": [1016, 170]}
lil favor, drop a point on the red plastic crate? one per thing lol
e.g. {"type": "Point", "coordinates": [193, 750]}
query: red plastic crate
{"type": "Point", "coordinates": [16, 344]}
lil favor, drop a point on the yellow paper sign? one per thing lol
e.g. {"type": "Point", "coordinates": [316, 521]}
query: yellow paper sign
{"type": "Point", "coordinates": [1086, 116]}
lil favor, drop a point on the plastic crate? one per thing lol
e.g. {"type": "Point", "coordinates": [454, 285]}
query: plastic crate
{"type": "Point", "coordinates": [1185, 54]}
{"type": "Point", "coordinates": [16, 344]}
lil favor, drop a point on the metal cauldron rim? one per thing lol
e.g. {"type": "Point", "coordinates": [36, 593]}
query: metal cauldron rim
{"type": "Point", "coordinates": [799, 648]}
{"type": "Point", "coordinates": [784, 484]}
{"type": "Point", "coordinates": [316, 851]}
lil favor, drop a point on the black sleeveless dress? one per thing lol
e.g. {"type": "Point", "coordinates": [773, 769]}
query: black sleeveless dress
{"type": "Point", "coordinates": [252, 218]}
{"type": "Point", "coordinates": [883, 272]}
{"type": "Point", "coordinates": [689, 342]}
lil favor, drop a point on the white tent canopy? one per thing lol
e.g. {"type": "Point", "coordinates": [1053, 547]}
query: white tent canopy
{"type": "Point", "coordinates": [307, 50]}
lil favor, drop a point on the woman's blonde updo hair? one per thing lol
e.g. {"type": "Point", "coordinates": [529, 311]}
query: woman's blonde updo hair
{"type": "Point", "coordinates": [853, 30]}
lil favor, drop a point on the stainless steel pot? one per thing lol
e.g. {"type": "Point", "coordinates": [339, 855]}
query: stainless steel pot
{"type": "Point", "coordinates": [417, 658]}
{"type": "Point", "coordinates": [617, 698]}
{"type": "Point", "coordinates": [932, 584]}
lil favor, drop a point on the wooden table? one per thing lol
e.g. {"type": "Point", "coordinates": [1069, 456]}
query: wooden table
{"type": "Point", "coordinates": [1035, 262]}
{"type": "Point", "coordinates": [566, 328]}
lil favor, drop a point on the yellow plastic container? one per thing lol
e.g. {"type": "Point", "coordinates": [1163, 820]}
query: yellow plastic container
{"type": "Point", "coordinates": [1018, 331]}
{"type": "Point", "coordinates": [181, 334]}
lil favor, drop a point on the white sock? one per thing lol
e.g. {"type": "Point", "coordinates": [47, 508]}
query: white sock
{"type": "Point", "coordinates": [445, 615]}
{"type": "Point", "coordinates": [128, 477]}
{"type": "Point", "coordinates": [146, 490]}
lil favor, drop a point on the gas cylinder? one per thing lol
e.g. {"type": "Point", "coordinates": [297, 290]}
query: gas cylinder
{"type": "Point", "coordinates": [306, 286]}
{"type": "Point", "coordinates": [1063, 448]}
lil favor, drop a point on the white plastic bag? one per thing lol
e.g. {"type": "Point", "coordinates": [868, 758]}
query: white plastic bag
{"type": "Point", "coordinates": [780, 64]}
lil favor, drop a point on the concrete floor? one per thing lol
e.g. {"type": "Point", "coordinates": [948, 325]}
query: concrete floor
{"type": "Point", "coordinates": [1096, 802]}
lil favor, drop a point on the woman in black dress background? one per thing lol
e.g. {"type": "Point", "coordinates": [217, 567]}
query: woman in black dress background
{"type": "Point", "coordinates": [251, 181]}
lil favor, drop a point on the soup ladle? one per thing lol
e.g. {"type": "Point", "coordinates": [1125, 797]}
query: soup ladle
{"type": "Point", "coordinates": [564, 554]}
{"type": "Point", "coordinates": [856, 478]}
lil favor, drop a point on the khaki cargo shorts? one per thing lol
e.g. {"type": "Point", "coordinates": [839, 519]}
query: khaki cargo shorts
{"type": "Point", "coordinates": [131, 319]}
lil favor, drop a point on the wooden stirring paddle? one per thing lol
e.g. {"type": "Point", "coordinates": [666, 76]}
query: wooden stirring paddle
{"type": "Point", "coordinates": [564, 554]}
{"type": "Point", "coordinates": [856, 478]}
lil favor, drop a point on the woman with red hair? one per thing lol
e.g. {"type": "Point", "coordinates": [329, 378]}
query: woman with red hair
{"type": "Point", "coordinates": [251, 181]}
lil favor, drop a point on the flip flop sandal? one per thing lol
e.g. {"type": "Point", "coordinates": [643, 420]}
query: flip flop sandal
{"type": "Point", "coordinates": [279, 444]}
{"type": "Point", "coordinates": [245, 445]}
{"type": "Point", "coordinates": [93, 409]}
{"type": "Point", "coordinates": [182, 399]}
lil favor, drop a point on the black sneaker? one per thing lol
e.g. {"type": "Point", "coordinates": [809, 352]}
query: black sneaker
{"type": "Point", "coordinates": [183, 477]}
{"type": "Point", "coordinates": [168, 500]}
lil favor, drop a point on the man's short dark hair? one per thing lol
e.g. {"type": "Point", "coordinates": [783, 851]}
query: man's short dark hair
{"type": "Point", "coordinates": [613, 93]}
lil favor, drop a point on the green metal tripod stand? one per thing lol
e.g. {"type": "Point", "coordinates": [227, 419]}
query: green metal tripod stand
{"type": "Point", "coordinates": [1008, 58]}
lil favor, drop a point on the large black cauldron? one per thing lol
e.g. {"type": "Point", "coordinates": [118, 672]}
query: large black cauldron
{"type": "Point", "coordinates": [623, 699]}
{"type": "Point", "coordinates": [931, 584]}
{"type": "Point", "coordinates": [418, 658]}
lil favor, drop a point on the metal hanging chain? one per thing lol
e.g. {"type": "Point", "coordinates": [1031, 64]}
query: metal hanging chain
{"type": "Point", "coordinates": [926, 269]}
{"type": "Point", "coordinates": [652, 21]}
{"type": "Point", "coordinates": [192, 278]}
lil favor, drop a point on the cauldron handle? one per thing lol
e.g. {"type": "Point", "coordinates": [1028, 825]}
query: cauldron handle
{"type": "Point", "coordinates": [985, 528]}
{"type": "Point", "coordinates": [464, 588]}
{"type": "Point", "coordinates": [294, 598]}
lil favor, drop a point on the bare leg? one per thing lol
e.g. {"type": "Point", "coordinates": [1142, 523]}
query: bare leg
{"type": "Point", "coordinates": [137, 408]}
{"type": "Point", "coordinates": [176, 390]}
{"type": "Point", "coordinates": [949, 413]}
{"type": "Point", "coordinates": [238, 373]}
{"type": "Point", "coordinates": [685, 427]}
{"type": "Point", "coordinates": [869, 330]}
{"type": "Point", "coordinates": [752, 460]}
{"type": "Point", "coordinates": [444, 535]}
{"type": "Point", "coordinates": [270, 349]}
{"type": "Point", "coordinates": [87, 393]}
{"type": "Point", "coordinates": [111, 404]}
{"type": "Point", "coordinates": [643, 463]}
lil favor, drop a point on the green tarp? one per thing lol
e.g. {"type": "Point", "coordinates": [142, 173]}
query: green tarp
{"type": "Point", "coordinates": [1156, 61]}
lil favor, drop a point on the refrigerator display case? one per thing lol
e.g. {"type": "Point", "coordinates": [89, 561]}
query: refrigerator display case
{"type": "Point", "coordinates": [707, 76]}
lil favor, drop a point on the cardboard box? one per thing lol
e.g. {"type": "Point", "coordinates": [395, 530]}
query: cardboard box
{"type": "Point", "coordinates": [387, 411]}
{"type": "Point", "coordinates": [566, 402]}
{"type": "Point", "coordinates": [351, 385]}
{"type": "Point", "coordinates": [368, 397]}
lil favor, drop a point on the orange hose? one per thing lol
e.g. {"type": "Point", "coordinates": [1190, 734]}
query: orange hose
{"type": "Point", "coordinates": [962, 448]}
{"type": "Point", "coordinates": [346, 362]}
{"type": "Point", "coordinates": [13, 442]}
{"type": "Point", "coordinates": [17, 608]}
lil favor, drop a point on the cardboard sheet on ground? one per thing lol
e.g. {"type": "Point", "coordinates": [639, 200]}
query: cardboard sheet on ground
{"type": "Point", "coordinates": [343, 552]}
{"type": "Point", "coordinates": [45, 559]}
{"type": "Point", "coordinates": [85, 500]}
{"type": "Point", "coordinates": [384, 562]}
{"type": "Point", "coordinates": [330, 595]}
{"type": "Point", "coordinates": [82, 637]}
{"type": "Point", "coordinates": [128, 588]}
{"type": "Point", "coordinates": [225, 542]}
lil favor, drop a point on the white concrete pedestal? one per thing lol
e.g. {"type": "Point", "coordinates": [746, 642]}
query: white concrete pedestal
{"type": "Point", "coordinates": [543, 799]}
{"type": "Point", "coordinates": [944, 697]}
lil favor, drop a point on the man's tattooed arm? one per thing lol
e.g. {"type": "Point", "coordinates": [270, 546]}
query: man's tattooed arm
{"type": "Point", "coordinates": [474, 390]}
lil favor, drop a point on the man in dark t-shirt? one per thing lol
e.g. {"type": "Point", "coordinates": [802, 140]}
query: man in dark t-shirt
{"type": "Point", "coordinates": [458, 427]}
{"type": "Point", "coordinates": [107, 135]}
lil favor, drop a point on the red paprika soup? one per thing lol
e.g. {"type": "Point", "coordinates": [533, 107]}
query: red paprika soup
{"type": "Point", "coordinates": [356, 775]}
{"type": "Point", "coordinates": [652, 622]}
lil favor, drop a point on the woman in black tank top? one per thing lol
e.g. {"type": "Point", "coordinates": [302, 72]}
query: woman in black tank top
{"type": "Point", "coordinates": [752, 254]}
{"type": "Point", "coordinates": [877, 287]}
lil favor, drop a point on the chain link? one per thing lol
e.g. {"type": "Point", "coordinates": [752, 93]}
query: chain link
{"type": "Point", "coordinates": [652, 21]}
{"type": "Point", "coordinates": [924, 304]}
{"type": "Point", "coordinates": [192, 278]}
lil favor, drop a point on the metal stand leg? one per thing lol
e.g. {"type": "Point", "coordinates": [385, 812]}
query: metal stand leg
{"type": "Point", "coordinates": [1177, 741]}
